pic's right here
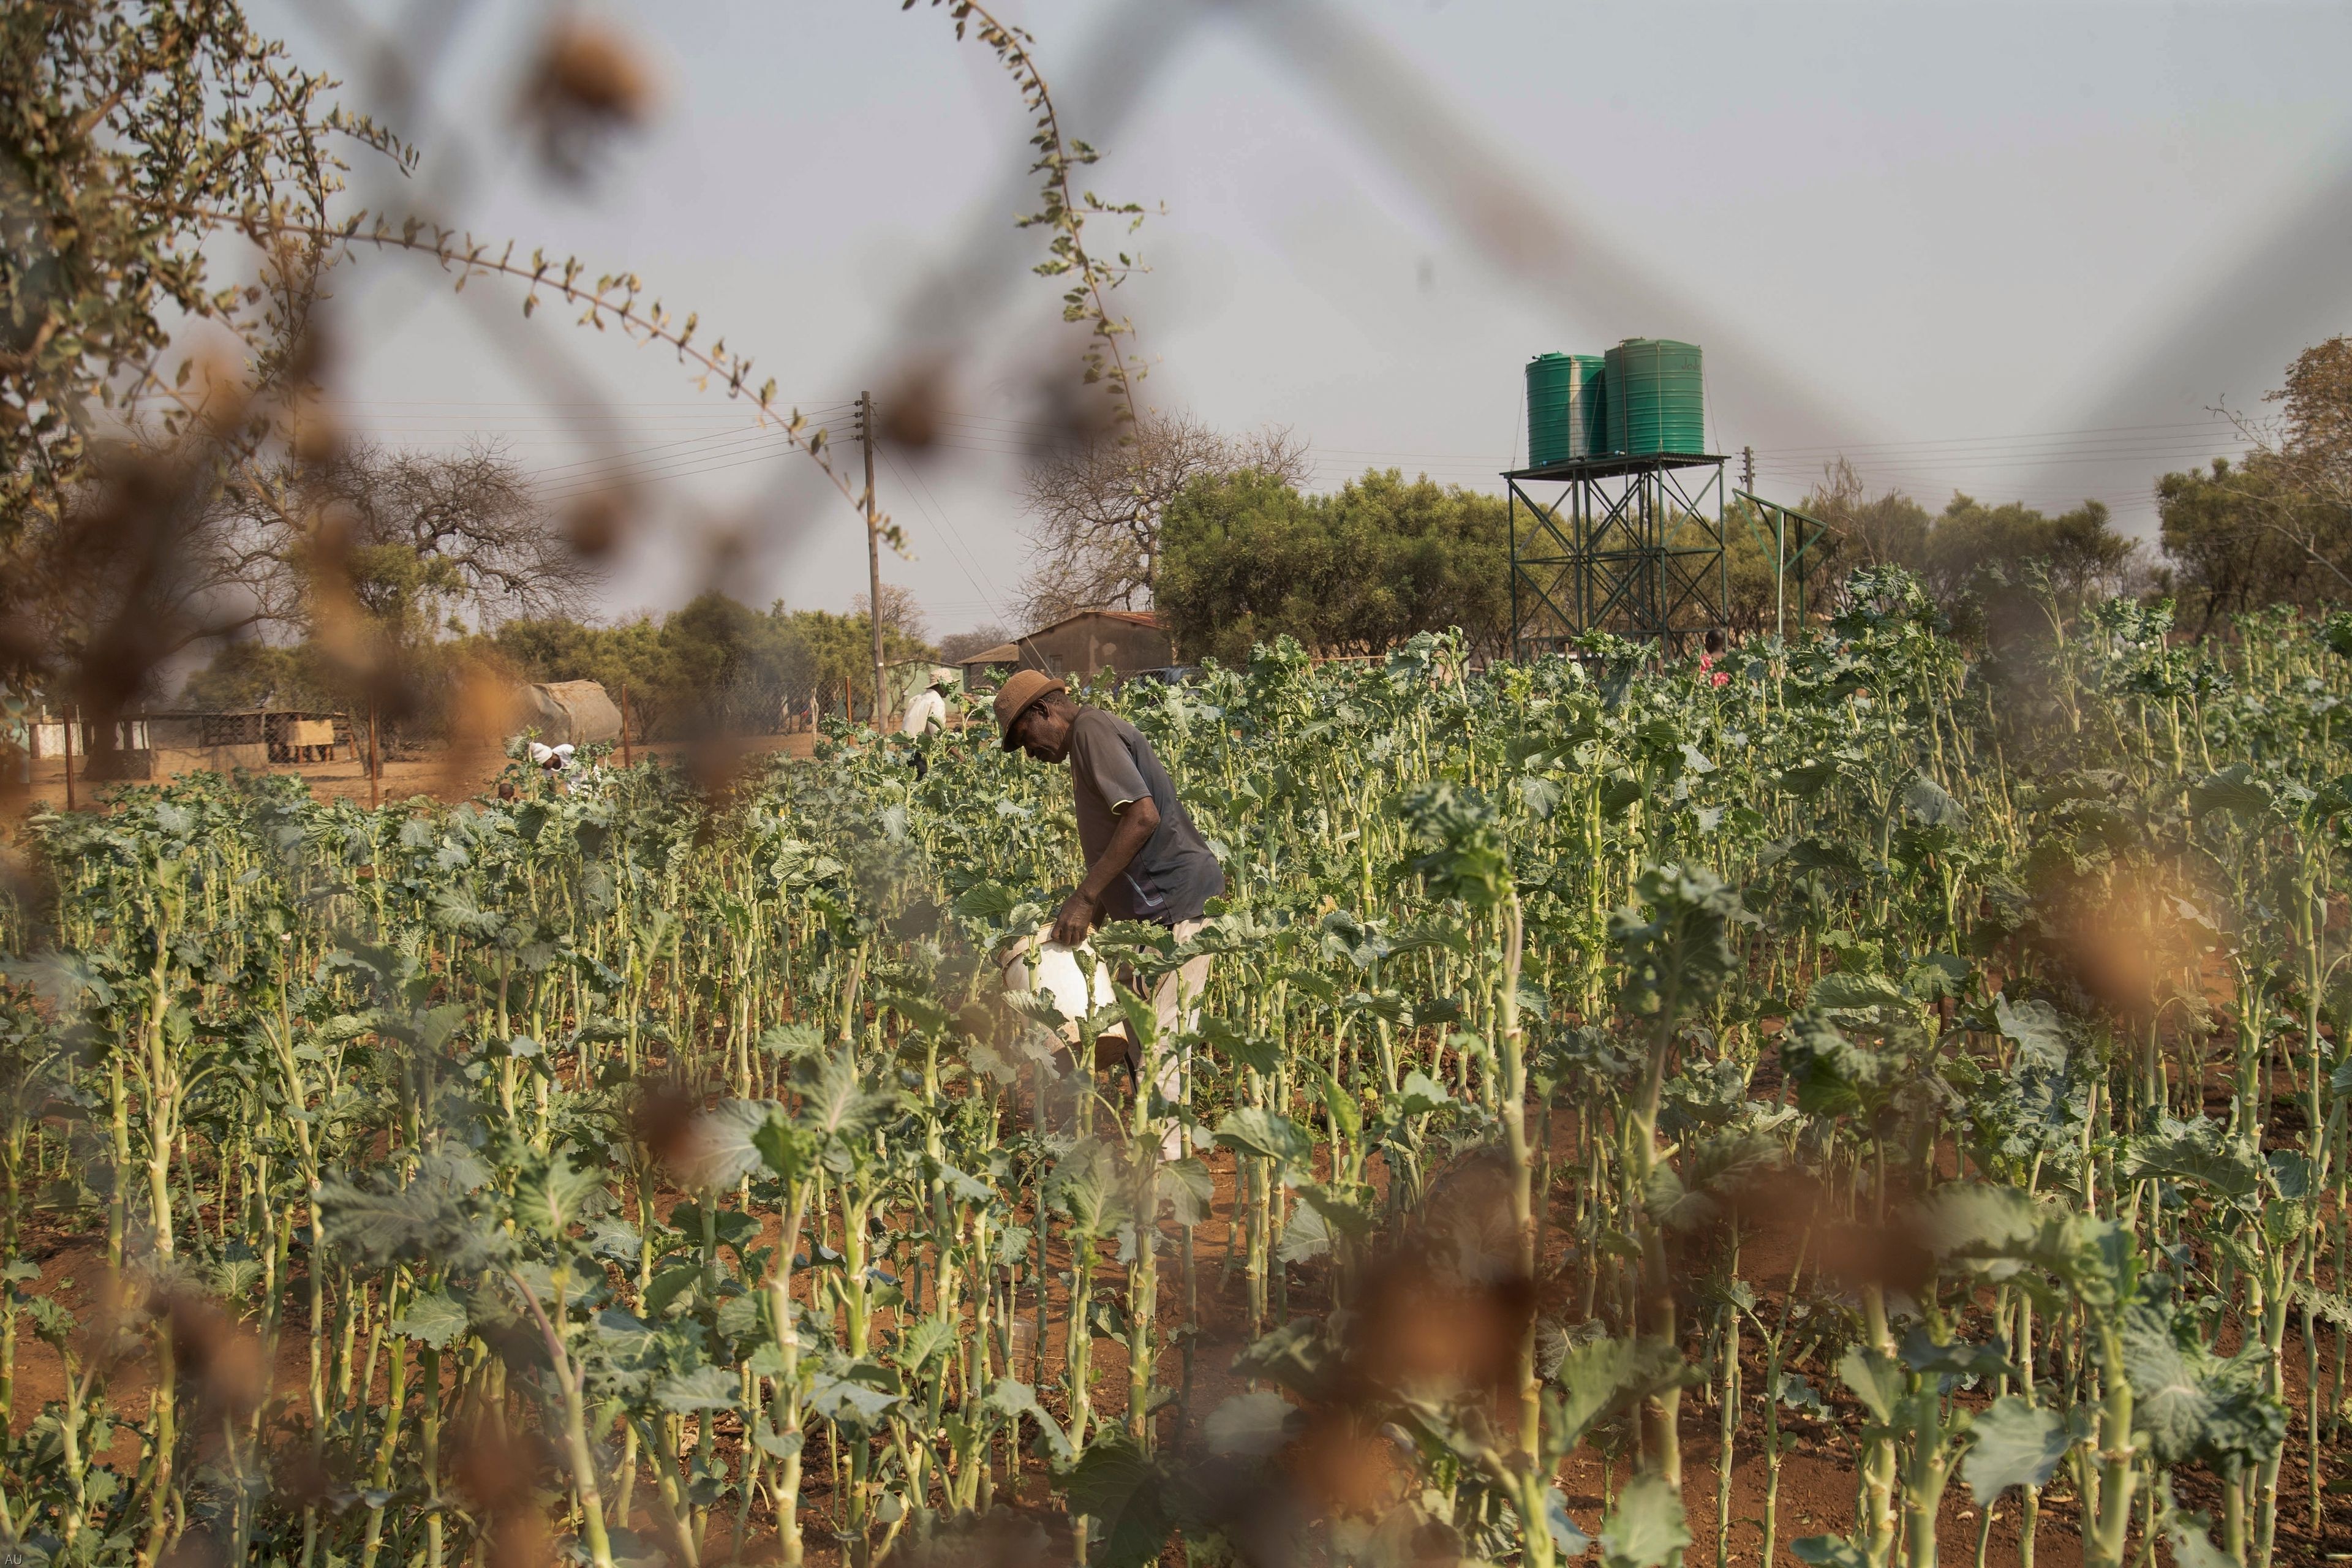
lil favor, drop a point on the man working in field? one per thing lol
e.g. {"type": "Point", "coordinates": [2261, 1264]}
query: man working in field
{"type": "Point", "coordinates": [1144, 859]}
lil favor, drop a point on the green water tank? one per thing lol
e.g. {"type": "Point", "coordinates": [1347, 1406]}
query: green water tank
{"type": "Point", "coordinates": [1657, 400]}
{"type": "Point", "coordinates": [1567, 415]}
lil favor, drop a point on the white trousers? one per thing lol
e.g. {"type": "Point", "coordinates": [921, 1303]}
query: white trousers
{"type": "Point", "coordinates": [1176, 1001]}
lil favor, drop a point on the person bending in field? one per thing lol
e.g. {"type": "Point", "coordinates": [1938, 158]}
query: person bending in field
{"type": "Point", "coordinates": [1144, 859]}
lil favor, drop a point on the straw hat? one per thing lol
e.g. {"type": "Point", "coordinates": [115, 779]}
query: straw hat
{"type": "Point", "coordinates": [1020, 689]}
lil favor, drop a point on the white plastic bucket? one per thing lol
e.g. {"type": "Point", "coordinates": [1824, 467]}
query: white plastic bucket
{"type": "Point", "coordinates": [1040, 965]}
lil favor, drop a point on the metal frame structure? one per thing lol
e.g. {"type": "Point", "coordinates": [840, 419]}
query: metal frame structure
{"type": "Point", "coordinates": [1811, 531]}
{"type": "Point", "coordinates": [1630, 545]}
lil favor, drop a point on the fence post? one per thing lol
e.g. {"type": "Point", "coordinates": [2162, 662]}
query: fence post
{"type": "Point", "coordinates": [375, 770]}
{"type": "Point", "coordinates": [628, 758]}
{"type": "Point", "coordinates": [73, 723]}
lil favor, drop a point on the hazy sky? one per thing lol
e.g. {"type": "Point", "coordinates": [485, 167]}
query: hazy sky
{"type": "Point", "coordinates": [2014, 249]}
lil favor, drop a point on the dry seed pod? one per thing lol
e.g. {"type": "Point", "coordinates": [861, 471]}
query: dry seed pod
{"type": "Point", "coordinates": [591, 67]}
{"type": "Point", "coordinates": [909, 416]}
{"type": "Point", "coordinates": [591, 79]}
{"type": "Point", "coordinates": [593, 524]}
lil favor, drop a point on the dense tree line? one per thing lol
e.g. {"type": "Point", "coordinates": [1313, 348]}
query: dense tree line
{"type": "Point", "coordinates": [1246, 557]}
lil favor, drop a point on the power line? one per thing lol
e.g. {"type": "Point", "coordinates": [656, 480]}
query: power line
{"type": "Point", "coordinates": [665, 446]}
{"type": "Point", "coordinates": [965, 561]}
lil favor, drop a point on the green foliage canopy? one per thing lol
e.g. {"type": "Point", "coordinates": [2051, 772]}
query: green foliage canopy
{"type": "Point", "coordinates": [1248, 558]}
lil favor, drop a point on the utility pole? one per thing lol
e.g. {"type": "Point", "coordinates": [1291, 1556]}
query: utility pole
{"type": "Point", "coordinates": [873, 548]}
{"type": "Point", "coordinates": [1747, 469]}
{"type": "Point", "coordinates": [627, 761]}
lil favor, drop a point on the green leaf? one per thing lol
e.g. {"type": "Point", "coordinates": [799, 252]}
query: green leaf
{"type": "Point", "coordinates": [432, 1318]}
{"type": "Point", "coordinates": [1597, 1377]}
{"type": "Point", "coordinates": [985, 902]}
{"type": "Point", "coordinates": [1421, 1095]}
{"type": "Point", "coordinates": [1188, 1189]}
{"type": "Point", "coordinates": [724, 1145]}
{"type": "Point", "coordinates": [667, 1286]}
{"type": "Point", "coordinates": [1571, 1541]}
{"type": "Point", "coordinates": [789, 1151]}
{"type": "Point", "coordinates": [2017, 1445]}
{"type": "Point", "coordinates": [2186, 1533]}
{"type": "Point", "coordinates": [1970, 1219]}
{"type": "Point", "coordinates": [1254, 1129]}
{"type": "Point", "coordinates": [1676, 962]}
{"type": "Point", "coordinates": [704, 1388]}
{"type": "Point", "coordinates": [1251, 1051]}
{"type": "Point", "coordinates": [2034, 1025]}
{"type": "Point", "coordinates": [744, 1318]}
{"type": "Point", "coordinates": [1798, 1395]}
{"type": "Point", "coordinates": [2191, 1404]}
{"type": "Point", "coordinates": [1834, 859]}
{"type": "Point", "coordinates": [1346, 1114]}
{"type": "Point", "coordinates": [552, 1197]}
{"type": "Point", "coordinates": [836, 1106]}
{"type": "Point", "coordinates": [853, 1405]}
{"type": "Point", "coordinates": [1830, 1551]}
{"type": "Point", "coordinates": [2202, 1151]}
{"type": "Point", "coordinates": [925, 1341]}
{"type": "Point", "coordinates": [1300, 1356]}
{"type": "Point", "coordinates": [1646, 1527]}
{"type": "Point", "coordinates": [1806, 779]}
{"type": "Point", "coordinates": [1928, 803]}
{"type": "Point", "coordinates": [1115, 1484]}
{"type": "Point", "coordinates": [1013, 1400]}
{"type": "Point", "coordinates": [1307, 1235]}
{"type": "Point", "coordinates": [1958, 1359]}
{"type": "Point", "coordinates": [1846, 992]}
{"type": "Point", "coordinates": [1937, 976]}
{"type": "Point", "coordinates": [1541, 796]}
{"type": "Point", "coordinates": [2235, 790]}
{"type": "Point", "coordinates": [1876, 1378]}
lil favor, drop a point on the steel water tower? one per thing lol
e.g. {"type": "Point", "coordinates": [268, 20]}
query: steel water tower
{"type": "Point", "coordinates": [1617, 520]}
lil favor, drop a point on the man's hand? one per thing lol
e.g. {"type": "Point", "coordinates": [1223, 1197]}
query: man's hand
{"type": "Point", "coordinates": [1077, 917]}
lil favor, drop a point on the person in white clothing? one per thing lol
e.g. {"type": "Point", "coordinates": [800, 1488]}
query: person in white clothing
{"type": "Point", "coordinates": [926, 714]}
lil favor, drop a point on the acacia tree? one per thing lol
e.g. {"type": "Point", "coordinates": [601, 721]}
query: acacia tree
{"type": "Point", "coordinates": [133, 137]}
{"type": "Point", "coordinates": [1097, 506]}
{"type": "Point", "coordinates": [487, 549]}
{"type": "Point", "coordinates": [2276, 527]}
{"type": "Point", "coordinates": [1250, 559]}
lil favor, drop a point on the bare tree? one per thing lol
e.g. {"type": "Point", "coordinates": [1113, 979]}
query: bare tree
{"type": "Point", "coordinates": [443, 532]}
{"type": "Point", "coordinates": [1097, 508]}
{"type": "Point", "coordinates": [902, 613]}
{"type": "Point", "coordinates": [957, 646]}
{"type": "Point", "coordinates": [1888, 530]}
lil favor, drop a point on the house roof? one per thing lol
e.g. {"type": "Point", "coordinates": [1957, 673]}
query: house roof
{"type": "Point", "coordinates": [1132, 617]}
{"type": "Point", "coordinates": [1002, 653]}
{"type": "Point", "coordinates": [1010, 652]}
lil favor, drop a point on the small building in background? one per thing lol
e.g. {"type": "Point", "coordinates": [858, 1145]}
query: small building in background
{"type": "Point", "coordinates": [1091, 643]}
{"type": "Point", "coordinates": [163, 746]}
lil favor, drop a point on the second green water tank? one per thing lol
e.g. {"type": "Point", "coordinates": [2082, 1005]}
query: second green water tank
{"type": "Point", "coordinates": [1567, 409]}
{"type": "Point", "coordinates": [1657, 400]}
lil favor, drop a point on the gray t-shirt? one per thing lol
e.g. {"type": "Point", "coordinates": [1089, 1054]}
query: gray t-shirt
{"type": "Point", "coordinates": [1173, 876]}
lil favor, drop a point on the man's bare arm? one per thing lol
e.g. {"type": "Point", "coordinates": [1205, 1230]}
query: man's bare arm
{"type": "Point", "coordinates": [1137, 824]}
